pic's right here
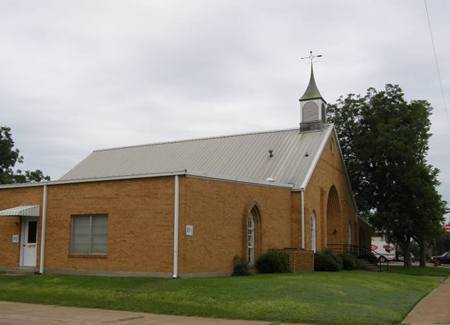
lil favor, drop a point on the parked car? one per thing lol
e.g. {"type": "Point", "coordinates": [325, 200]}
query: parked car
{"type": "Point", "coordinates": [442, 259]}
{"type": "Point", "coordinates": [383, 250]}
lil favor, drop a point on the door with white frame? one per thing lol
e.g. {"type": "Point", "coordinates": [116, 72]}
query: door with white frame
{"type": "Point", "coordinates": [29, 242]}
{"type": "Point", "coordinates": [313, 232]}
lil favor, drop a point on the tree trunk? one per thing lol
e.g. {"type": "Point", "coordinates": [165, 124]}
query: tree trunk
{"type": "Point", "coordinates": [423, 251]}
{"type": "Point", "coordinates": [406, 248]}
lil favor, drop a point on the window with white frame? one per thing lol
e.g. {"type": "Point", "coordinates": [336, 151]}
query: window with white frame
{"type": "Point", "coordinates": [314, 232]}
{"type": "Point", "coordinates": [89, 235]}
{"type": "Point", "coordinates": [251, 239]}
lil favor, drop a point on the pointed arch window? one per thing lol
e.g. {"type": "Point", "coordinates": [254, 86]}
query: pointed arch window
{"type": "Point", "coordinates": [314, 232]}
{"type": "Point", "coordinates": [251, 239]}
{"type": "Point", "coordinates": [252, 235]}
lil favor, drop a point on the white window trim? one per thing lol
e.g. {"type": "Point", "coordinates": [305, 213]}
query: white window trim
{"type": "Point", "coordinates": [314, 232]}
{"type": "Point", "coordinates": [251, 242]}
{"type": "Point", "coordinates": [89, 253]}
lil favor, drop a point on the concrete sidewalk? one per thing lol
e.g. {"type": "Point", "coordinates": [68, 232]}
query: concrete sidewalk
{"type": "Point", "coordinates": [433, 309]}
{"type": "Point", "coordinates": [20, 314]}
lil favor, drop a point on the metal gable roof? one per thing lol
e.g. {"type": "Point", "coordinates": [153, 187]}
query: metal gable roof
{"type": "Point", "coordinates": [243, 156]}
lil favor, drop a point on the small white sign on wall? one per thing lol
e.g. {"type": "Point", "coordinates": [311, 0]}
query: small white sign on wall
{"type": "Point", "coordinates": [189, 230]}
{"type": "Point", "coordinates": [15, 239]}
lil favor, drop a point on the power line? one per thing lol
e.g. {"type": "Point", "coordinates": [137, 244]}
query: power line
{"type": "Point", "coordinates": [436, 61]}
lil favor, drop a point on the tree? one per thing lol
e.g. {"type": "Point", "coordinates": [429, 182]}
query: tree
{"type": "Point", "coordinates": [30, 176]}
{"type": "Point", "coordinates": [430, 210]}
{"type": "Point", "coordinates": [9, 157]}
{"type": "Point", "coordinates": [384, 141]}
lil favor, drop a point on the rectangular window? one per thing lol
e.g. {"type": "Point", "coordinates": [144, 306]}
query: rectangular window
{"type": "Point", "coordinates": [32, 232]}
{"type": "Point", "coordinates": [89, 235]}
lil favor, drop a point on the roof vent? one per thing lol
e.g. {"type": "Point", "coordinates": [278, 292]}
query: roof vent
{"type": "Point", "coordinates": [270, 179]}
{"type": "Point", "coordinates": [270, 153]}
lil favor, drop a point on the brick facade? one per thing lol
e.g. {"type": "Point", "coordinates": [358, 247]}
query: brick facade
{"type": "Point", "coordinates": [328, 177]}
{"type": "Point", "coordinates": [9, 226]}
{"type": "Point", "coordinates": [140, 220]}
{"type": "Point", "coordinates": [218, 211]}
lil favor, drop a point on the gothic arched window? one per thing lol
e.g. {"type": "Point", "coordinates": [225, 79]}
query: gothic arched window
{"type": "Point", "coordinates": [253, 236]}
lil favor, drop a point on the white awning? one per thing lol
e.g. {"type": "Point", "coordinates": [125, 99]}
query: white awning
{"type": "Point", "coordinates": [22, 210]}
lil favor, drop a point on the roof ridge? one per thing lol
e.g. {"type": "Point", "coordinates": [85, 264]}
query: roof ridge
{"type": "Point", "coordinates": [195, 139]}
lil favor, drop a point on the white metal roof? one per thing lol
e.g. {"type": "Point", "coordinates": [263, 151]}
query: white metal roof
{"type": "Point", "coordinates": [239, 157]}
{"type": "Point", "coordinates": [23, 210]}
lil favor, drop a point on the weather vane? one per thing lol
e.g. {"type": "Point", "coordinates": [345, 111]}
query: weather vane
{"type": "Point", "coordinates": [311, 57]}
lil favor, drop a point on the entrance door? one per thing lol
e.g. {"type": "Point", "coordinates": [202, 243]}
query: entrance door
{"type": "Point", "coordinates": [29, 241]}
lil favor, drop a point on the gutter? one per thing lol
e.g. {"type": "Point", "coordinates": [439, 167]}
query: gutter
{"type": "Point", "coordinates": [149, 175]}
{"type": "Point", "coordinates": [176, 220]}
{"type": "Point", "coordinates": [95, 179]}
{"type": "Point", "coordinates": [43, 221]}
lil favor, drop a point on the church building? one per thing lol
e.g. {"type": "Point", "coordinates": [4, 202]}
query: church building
{"type": "Point", "coordinates": [188, 208]}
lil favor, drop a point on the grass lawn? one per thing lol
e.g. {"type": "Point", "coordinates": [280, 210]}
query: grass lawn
{"type": "Point", "coordinates": [320, 297]}
{"type": "Point", "coordinates": [416, 270]}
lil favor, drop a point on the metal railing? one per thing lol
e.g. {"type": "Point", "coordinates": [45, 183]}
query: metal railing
{"type": "Point", "coordinates": [346, 249]}
{"type": "Point", "coordinates": [382, 264]}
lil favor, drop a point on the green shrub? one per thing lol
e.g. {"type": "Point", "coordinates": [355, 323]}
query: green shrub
{"type": "Point", "coordinates": [273, 261]}
{"type": "Point", "coordinates": [349, 262]}
{"type": "Point", "coordinates": [337, 258]}
{"type": "Point", "coordinates": [327, 260]}
{"type": "Point", "coordinates": [240, 267]}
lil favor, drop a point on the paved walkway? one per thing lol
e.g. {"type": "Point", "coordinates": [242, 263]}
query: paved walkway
{"type": "Point", "coordinates": [20, 314]}
{"type": "Point", "coordinates": [433, 309]}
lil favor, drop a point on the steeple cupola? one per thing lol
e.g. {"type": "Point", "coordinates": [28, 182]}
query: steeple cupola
{"type": "Point", "coordinates": [312, 105]}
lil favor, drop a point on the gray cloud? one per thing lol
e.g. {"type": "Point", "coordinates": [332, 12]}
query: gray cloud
{"type": "Point", "coordinates": [81, 75]}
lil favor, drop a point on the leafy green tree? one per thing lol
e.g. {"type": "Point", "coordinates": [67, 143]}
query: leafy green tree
{"type": "Point", "coordinates": [9, 157]}
{"type": "Point", "coordinates": [30, 176]}
{"type": "Point", "coordinates": [430, 209]}
{"type": "Point", "coordinates": [384, 142]}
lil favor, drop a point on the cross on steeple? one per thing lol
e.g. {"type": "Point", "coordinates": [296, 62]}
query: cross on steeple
{"type": "Point", "coordinates": [312, 104]}
{"type": "Point", "coordinates": [311, 57]}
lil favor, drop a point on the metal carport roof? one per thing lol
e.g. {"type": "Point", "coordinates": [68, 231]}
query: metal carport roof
{"type": "Point", "coordinates": [22, 211]}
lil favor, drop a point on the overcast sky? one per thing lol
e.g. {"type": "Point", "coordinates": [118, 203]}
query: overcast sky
{"type": "Point", "coordinates": [80, 75]}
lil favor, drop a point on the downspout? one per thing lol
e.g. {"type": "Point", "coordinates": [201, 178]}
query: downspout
{"type": "Point", "coordinates": [302, 194]}
{"type": "Point", "coordinates": [176, 219]}
{"type": "Point", "coordinates": [43, 221]}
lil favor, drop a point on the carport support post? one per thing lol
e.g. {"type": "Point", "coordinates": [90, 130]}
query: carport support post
{"type": "Point", "coordinates": [43, 219]}
{"type": "Point", "coordinates": [176, 217]}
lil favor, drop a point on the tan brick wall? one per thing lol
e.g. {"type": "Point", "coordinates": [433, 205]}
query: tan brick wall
{"type": "Point", "coordinates": [329, 172]}
{"type": "Point", "coordinates": [9, 252]}
{"type": "Point", "coordinates": [217, 210]}
{"type": "Point", "coordinates": [140, 224]}
{"type": "Point", "coordinates": [300, 260]}
{"type": "Point", "coordinates": [9, 198]}
{"type": "Point", "coordinates": [140, 227]}
{"type": "Point", "coordinates": [296, 220]}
